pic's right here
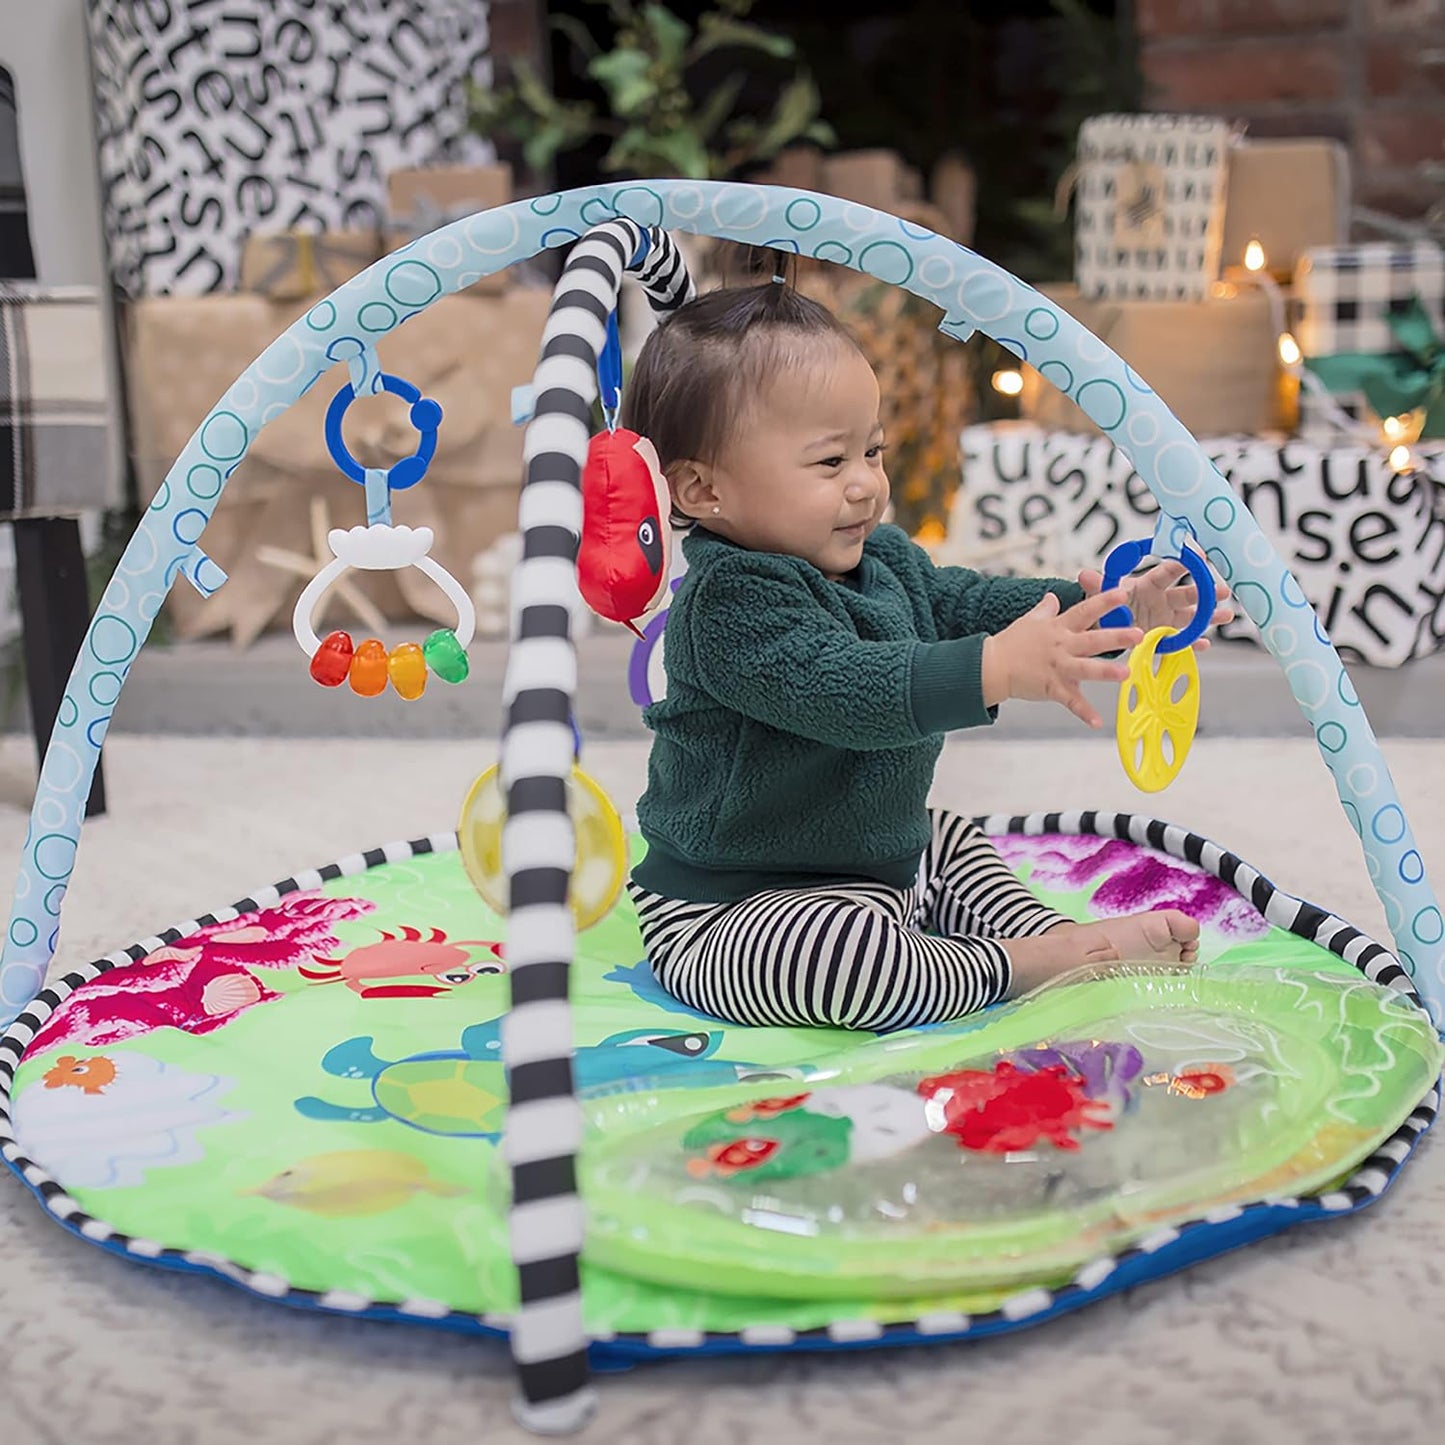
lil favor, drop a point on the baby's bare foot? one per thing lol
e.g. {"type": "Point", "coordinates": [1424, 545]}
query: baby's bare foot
{"type": "Point", "coordinates": [1164, 936]}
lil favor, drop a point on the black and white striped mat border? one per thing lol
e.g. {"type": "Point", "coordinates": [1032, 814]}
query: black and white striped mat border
{"type": "Point", "coordinates": [1150, 1256]}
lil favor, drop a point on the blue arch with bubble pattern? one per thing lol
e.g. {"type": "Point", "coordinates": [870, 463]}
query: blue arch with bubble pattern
{"type": "Point", "coordinates": [973, 293]}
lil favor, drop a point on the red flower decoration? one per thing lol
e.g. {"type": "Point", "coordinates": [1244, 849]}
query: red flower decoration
{"type": "Point", "coordinates": [1005, 1109]}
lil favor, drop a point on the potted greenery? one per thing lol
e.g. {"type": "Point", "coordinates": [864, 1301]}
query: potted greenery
{"type": "Point", "coordinates": [658, 122]}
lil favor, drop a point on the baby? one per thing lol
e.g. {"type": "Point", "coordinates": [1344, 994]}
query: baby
{"type": "Point", "coordinates": [815, 659]}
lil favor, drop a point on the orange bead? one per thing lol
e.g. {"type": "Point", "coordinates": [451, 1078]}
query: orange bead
{"type": "Point", "coordinates": [407, 667]}
{"type": "Point", "coordinates": [368, 668]}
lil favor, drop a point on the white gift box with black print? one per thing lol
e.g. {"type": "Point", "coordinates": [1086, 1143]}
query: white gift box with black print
{"type": "Point", "coordinates": [1345, 297]}
{"type": "Point", "coordinates": [1367, 545]}
{"type": "Point", "coordinates": [1149, 205]}
{"type": "Point", "coordinates": [219, 120]}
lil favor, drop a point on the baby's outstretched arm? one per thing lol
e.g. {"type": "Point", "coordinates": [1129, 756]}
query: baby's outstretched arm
{"type": "Point", "coordinates": [1046, 654]}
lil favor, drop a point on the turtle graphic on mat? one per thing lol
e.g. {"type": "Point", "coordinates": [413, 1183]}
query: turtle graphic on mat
{"type": "Point", "coordinates": [463, 1091]}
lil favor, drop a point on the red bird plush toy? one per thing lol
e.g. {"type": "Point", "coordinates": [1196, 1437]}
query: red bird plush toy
{"type": "Point", "coordinates": [626, 546]}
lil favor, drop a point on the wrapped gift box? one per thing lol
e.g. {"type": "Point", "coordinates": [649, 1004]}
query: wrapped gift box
{"type": "Point", "coordinates": [1214, 362]}
{"type": "Point", "coordinates": [421, 199]}
{"type": "Point", "coordinates": [1371, 325]}
{"type": "Point", "coordinates": [295, 265]}
{"type": "Point", "coordinates": [1149, 205]}
{"type": "Point", "coordinates": [466, 352]}
{"type": "Point", "coordinates": [215, 121]}
{"type": "Point", "coordinates": [1289, 195]}
{"type": "Point", "coordinates": [1367, 545]}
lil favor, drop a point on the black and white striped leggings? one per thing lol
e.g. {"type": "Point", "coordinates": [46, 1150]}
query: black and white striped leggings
{"type": "Point", "coordinates": [853, 956]}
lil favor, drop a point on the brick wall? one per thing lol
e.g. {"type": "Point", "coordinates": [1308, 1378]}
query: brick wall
{"type": "Point", "coordinates": [1368, 72]}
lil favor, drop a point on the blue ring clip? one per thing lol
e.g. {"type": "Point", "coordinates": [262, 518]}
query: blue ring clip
{"type": "Point", "coordinates": [609, 373]}
{"type": "Point", "coordinates": [1126, 557]}
{"type": "Point", "coordinates": [426, 417]}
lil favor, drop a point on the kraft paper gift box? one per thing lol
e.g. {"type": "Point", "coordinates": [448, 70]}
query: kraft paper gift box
{"type": "Point", "coordinates": [1149, 205]}
{"type": "Point", "coordinates": [877, 178]}
{"type": "Point", "coordinates": [1371, 326]}
{"type": "Point", "coordinates": [466, 352]}
{"type": "Point", "coordinates": [294, 265]}
{"type": "Point", "coordinates": [421, 199]}
{"type": "Point", "coordinates": [1289, 195]}
{"type": "Point", "coordinates": [1213, 362]}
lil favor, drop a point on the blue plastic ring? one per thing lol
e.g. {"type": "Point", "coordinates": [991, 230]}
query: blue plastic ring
{"type": "Point", "coordinates": [1126, 557]}
{"type": "Point", "coordinates": [426, 417]}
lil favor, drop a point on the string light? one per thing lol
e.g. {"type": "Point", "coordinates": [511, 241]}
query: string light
{"type": "Point", "coordinates": [1289, 352]}
{"type": "Point", "coordinates": [1400, 458]}
{"type": "Point", "coordinates": [1254, 257]}
{"type": "Point", "coordinates": [1008, 382]}
{"type": "Point", "coordinates": [1393, 428]}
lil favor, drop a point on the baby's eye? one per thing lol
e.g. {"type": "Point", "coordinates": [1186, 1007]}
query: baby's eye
{"type": "Point", "coordinates": [876, 450]}
{"type": "Point", "coordinates": [831, 462]}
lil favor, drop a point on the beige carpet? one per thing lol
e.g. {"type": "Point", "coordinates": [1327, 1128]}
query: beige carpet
{"type": "Point", "coordinates": [1333, 1333]}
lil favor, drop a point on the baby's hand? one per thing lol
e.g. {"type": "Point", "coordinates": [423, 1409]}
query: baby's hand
{"type": "Point", "coordinates": [1156, 601]}
{"type": "Point", "coordinates": [1045, 655]}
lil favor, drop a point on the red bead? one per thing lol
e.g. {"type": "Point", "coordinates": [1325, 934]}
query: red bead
{"type": "Point", "coordinates": [331, 662]}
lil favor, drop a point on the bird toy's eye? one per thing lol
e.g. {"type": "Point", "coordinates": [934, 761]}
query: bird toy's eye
{"type": "Point", "coordinates": [649, 539]}
{"type": "Point", "coordinates": [459, 976]}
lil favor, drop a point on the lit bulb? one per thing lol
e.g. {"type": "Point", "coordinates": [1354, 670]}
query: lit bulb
{"type": "Point", "coordinates": [1400, 459]}
{"type": "Point", "coordinates": [1254, 256]}
{"type": "Point", "coordinates": [1393, 428]}
{"type": "Point", "coordinates": [1289, 351]}
{"type": "Point", "coordinates": [1008, 383]}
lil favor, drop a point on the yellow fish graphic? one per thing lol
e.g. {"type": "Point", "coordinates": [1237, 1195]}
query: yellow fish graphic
{"type": "Point", "coordinates": [353, 1182]}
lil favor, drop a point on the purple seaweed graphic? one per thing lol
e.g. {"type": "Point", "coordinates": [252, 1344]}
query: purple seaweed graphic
{"type": "Point", "coordinates": [1134, 879]}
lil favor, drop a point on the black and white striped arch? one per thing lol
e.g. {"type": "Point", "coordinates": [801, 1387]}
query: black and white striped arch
{"type": "Point", "coordinates": [1169, 1249]}
{"type": "Point", "coordinates": [543, 1128]}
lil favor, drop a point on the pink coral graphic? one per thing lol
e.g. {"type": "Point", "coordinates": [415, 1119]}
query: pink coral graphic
{"type": "Point", "coordinates": [1134, 879]}
{"type": "Point", "coordinates": [201, 981]}
{"type": "Point", "coordinates": [285, 935]}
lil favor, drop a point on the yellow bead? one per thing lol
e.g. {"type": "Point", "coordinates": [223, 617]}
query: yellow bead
{"type": "Point", "coordinates": [407, 668]}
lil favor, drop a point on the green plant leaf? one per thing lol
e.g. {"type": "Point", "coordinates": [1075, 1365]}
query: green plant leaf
{"type": "Point", "coordinates": [795, 111]}
{"type": "Point", "coordinates": [577, 33]}
{"type": "Point", "coordinates": [669, 33]}
{"type": "Point", "coordinates": [821, 133]}
{"type": "Point", "coordinates": [531, 91]}
{"type": "Point", "coordinates": [541, 147]}
{"type": "Point", "coordinates": [683, 153]}
{"type": "Point", "coordinates": [716, 32]}
{"type": "Point", "coordinates": [718, 106]}
{"type": "Point", "coordinates": [624, 73]}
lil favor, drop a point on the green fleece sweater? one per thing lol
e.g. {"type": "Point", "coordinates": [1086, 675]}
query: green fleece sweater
{"type": "Point", "coordinates": [803, 717]}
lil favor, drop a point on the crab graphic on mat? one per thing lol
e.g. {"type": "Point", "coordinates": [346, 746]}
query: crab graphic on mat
{"type": "Point", "coordinates": [1005, 1109]}
{"type": "Point", "coordinates": [404, 955]}
{"type": "Point", "coordinates": [463, 1091]}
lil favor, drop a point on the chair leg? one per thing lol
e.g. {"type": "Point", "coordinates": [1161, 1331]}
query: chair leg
{"type": "Point", "coordinates": [54, 612]}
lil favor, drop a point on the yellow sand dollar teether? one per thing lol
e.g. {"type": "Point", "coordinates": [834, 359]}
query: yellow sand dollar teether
{"type": "Point", "coordinates": [601, 864]}
{"type": "Point", "coordinates": [1158, 712]}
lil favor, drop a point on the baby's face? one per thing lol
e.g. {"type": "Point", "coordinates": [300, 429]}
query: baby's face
{"type": "Point", "coordinates": [804, 474]}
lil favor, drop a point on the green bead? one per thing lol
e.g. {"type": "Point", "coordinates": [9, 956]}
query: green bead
{"type": "Point", "coordinates": [446, 656]}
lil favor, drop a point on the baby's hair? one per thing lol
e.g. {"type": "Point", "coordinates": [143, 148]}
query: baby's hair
{"type": "Point", "coordinates": [697, 373]}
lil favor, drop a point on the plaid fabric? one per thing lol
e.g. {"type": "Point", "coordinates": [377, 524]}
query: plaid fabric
{"type": "Point", "coordinates": [1344, 294]}
{"type": "Point", "coordinates": [55, 445]}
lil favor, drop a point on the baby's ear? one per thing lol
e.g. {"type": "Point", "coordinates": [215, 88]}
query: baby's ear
{"type": "Point", "coordinates": [692, 493]}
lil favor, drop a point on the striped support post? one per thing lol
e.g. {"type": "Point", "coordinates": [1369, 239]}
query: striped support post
{"type": "Point", "coordinates": [543, 1126]}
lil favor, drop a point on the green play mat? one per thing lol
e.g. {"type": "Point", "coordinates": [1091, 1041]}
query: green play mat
{"type": "Point", "coordinates": [304, 1095]}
